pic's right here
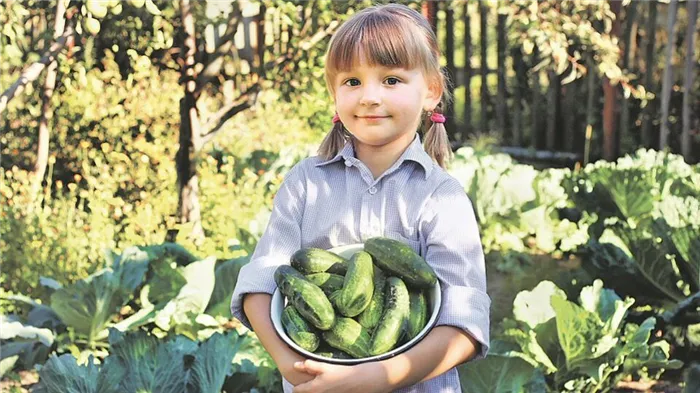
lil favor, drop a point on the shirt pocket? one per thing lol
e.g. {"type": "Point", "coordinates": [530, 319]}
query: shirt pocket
{"type": "Point", "coordinates": [415, 244]}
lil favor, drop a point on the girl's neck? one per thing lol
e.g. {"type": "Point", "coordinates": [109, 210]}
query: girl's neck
{"type": "Point", "coordinates": [380, 158]}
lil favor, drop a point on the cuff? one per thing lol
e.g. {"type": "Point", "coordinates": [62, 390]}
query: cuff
{"type": "Point", "coordinates": [467, 309]}
{"type": "Point", "coordinates": [255, 277]}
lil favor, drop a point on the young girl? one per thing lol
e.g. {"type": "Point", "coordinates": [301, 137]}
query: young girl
{"type": "Point", "coordinates": [373, 178]}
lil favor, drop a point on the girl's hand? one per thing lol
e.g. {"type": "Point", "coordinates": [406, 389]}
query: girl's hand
{"type": "Point", "coordinates": [365, 378]}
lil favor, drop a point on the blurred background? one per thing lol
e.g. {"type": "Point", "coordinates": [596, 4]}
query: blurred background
{"type": "Point", "coordinates": [142, 143]}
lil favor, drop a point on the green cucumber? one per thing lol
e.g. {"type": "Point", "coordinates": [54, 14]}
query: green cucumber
{"type": "Point", "coordinates": [373, 313]}
{"type": "Point", "coordinates": [357, 287]}
{"type": "Point", "coordinates": [393, 322]}
{"type": "Point", "coordinates": [327, 351]}
{"type": "Point", "coordinates": [315, 260]}
{"type": "Point", "coordinates": [328, 282]}
{"type": "Point", "coordinates": [418, 314]}
{"type": "Point", "coordinates": [300, 331]}
{"type": "Point", "coordinates": [348, 336]}
{"type": "Point", "coordinates": [306, 297]}
{"type": "Point", "coordinates": [399, 259]}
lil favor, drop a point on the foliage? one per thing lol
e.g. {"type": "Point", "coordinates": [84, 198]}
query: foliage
{"type": "Point", "coordinates": [517, 206]}
{"type": "Point", "coordinates": [646, 225]}
{"type": "Point", "coordinates": [140, 362]}
{"type": "Point", "coordinates": [584, 347]}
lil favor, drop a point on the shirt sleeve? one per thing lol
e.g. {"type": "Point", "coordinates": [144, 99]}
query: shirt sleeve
{"type": "Point", "coordinates": [281, 239]}
{"type": "Point", "coordinates": [453, 248]}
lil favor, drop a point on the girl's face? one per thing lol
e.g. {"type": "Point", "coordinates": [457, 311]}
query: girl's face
{"type": "Point", "coordinates": [381, 105]}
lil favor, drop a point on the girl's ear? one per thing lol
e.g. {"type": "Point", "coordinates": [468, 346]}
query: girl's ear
{"type": "Point", "coordinates": [434, 94]}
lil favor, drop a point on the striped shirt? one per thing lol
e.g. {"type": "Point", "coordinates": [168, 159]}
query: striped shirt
{"type": "Point", "coordinates": [331, 203]}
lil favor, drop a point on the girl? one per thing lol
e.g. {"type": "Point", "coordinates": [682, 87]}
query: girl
{"type": "Point", "coordinates": [373, 178]}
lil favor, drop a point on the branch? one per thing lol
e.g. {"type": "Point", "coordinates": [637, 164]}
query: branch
{"type": "Point", "coordinates": [223, 47]}
{"type": "Point", "coordinates": [215, 122]}
{"type": "Point", "coordinates": [31, 73]}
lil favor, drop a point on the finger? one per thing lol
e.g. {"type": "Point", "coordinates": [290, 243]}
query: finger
{"type": "Point", "coordinates": [299, 366]}
{"type": "Point", "coordinates": [313, 367]}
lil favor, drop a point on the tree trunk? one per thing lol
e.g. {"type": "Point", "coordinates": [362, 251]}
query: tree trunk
{"type": "Point", "coordinates": [430, 9]}
{"type": "Point", "coordinates": [627, 61]}
{"type": "Point", "coordinates": [690, 64]}
{"type": "Point", "coordinates": [570, 132]}
{"type": "Point", "coordinates": [31, 73]}
{"type": "Point", "coordinates": [483, 15]}
{"type": "Point", "coordinates": [535, 139]}
{"type": "Point", "coordinates": [610, 94]}
{"type": "Point", "coordinates": [501, 105]}
{"type": "Point", "coordinates": [667, 82]}
{"type": "Point", "coordinates": [42, 154]}
{"type": "Point", "coordinates": [648, 113]}
{"type": "Point", "coordinates": [467, 74]}
{"type": "Point", "coordinates": [190, 134]}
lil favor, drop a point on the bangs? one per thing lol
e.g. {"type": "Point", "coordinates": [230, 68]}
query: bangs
{"type": "Point", "coordinates": [380, 39]}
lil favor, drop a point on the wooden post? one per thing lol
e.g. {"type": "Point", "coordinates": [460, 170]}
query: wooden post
{"type": "Point", "coordinates": [690, 64]}
{"type": "Point", "coordinates": [667, 82]}
{"type": "Point", "coordinates": [610, 95]}
{"type": "Point", "coordinates": [535, 139]}
{"type": "Point", "coordinates": [451, 74]}
{"type": "Point", "coordinates": [627, 61]}
{"type": "Point", "coordinates": [429, 10]}
{"type": "Point", "coordinates": [501, 105]}
{"type": "Point", "coordinates": [467, 74]}
{"type": "Point", "coordinates": [553, 102]}
{"type": "Point", "coordinates": [483, 15]}
{"type": "Point", "coordinates": [590, 109]}
{"type": "Point", "coordinates": [520, 70]}
{"type": "Point", "coordinates": [649, 112]}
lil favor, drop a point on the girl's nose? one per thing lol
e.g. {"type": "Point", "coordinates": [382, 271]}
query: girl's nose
{"type": "Point", "coordinates": [371, 95]}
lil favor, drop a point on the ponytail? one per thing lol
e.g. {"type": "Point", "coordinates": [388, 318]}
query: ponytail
{"type": "Point", "coordinates": [334, 141]}
{"type": "Point", "coordinates": [436, 143]}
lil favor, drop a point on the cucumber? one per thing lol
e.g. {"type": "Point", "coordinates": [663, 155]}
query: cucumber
{"type": "Point", "coordinates": [399, 259]}
{"type": "Point", "coordinates": [315, 260]}
{"type": "Point", "coordinates": [327, 351]}
{"type": "Point", "coordinates": [370, 317]}
{"type": "Point", "coordinates": [348, 336]}
{"type": "Point", "coordinates": [328, 282]}
{"type": "Point", "coordinates": [357, 287]}
{"type": "Point", "coordinates": [418, 314]}
{"type": "Point", "coordinates": [300, 331]}
{"type": "Point", "coordinates": [306, 297]}
{"type": "Point", "coordinates": [393, 322]}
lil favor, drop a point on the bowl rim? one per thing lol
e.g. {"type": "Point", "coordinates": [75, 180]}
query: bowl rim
{"type": "Point", "coordinates": [277, 298]}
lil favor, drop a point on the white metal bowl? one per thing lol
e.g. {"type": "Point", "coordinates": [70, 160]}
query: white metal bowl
{"type": "Point", "coordinates": [434, 300]}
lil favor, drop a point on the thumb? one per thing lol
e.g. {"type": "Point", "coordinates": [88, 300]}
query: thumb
{"type": "Point", "coordinates": [313, 367]}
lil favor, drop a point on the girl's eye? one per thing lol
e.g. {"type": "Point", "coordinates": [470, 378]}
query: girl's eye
{"type": "Point", "coordinates": [392, 81]}
{"type": "Point", "coordinates": [352, 82]}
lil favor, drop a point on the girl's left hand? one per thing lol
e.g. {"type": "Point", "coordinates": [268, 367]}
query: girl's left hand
{"type": "Point", "coordinates": [365, 378]}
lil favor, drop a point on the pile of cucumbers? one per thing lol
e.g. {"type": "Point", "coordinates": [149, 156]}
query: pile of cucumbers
{"type": "Point", "coordinates": [357, 308]}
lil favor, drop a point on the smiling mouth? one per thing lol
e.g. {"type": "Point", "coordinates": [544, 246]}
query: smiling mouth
{"type": "Point", "coordinates": [372, 117]}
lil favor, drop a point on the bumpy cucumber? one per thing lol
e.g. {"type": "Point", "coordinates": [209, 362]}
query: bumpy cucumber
{"type": "Point", "coordinates": [399, 259]}
{"type": "Point", "coordinates": [328, 282]}
{"type": "Point", "coordinates": [306, 297]}
{"type": "Point", "coordinates": [373, 313]}
{"type": "Point", "coordinates": [393, 322]}
{"type": "Point", "coordinates": [348, 336]}
{"type": "Point", "coordinates": [299, 330]}
{"type": "Point", "coordinates": [418, 314]}
{"type": "Point", "coordinates": [357, 287]}
{"type": "Point", "coordinates": [316, 260]}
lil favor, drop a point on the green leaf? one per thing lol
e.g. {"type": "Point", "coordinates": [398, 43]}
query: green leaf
{"type": "Point", "coordinates": [63, 375]}
{"type": "Point", "coordinates": [7, 364]}
{"type": "Point", "coordinates": [630, 191]}
{"type": "Point", "coordinates": [15, 329]}
{"type": "Point", "coordinates": [534, 354]}
{"type": "Point", "coordinates": [226, 278]}
{"type": "Point", "coordinates": [213, 362]}
{"type": "Point", "coordinates": [193, 297]}
{"type": "Point", "coordinates": [152, 8]}
{"type": "Point", "coordinates": [692, 379]}
{"type": "Point", "coordinates": [595, 299]}
{"type": "Point", "coordinates": [499, 374]}
{"type": "Point", "coordinates": [97, 8]}
{"type": "Point", "coordinates": [533, 307]}
{"type": "Point", "coordinates": [578, 330]}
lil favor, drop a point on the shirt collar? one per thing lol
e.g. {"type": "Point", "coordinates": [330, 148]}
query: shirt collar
{"type": "Point", "coordinates": [414, 152]}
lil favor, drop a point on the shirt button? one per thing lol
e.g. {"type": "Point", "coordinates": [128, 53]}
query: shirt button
{"type": "Point", "coordinates": [373, 190]}
{"type": "Point", "coordinates": [348, 163]}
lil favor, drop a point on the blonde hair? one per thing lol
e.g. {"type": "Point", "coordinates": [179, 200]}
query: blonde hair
{"type": "Point", "coordinates": [391, 35]}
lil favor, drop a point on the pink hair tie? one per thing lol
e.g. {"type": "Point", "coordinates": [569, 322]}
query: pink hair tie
{"type": "Point", "coordinates": [336, 118]}
{"type": "Point", "coordinates": [437, 117]}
